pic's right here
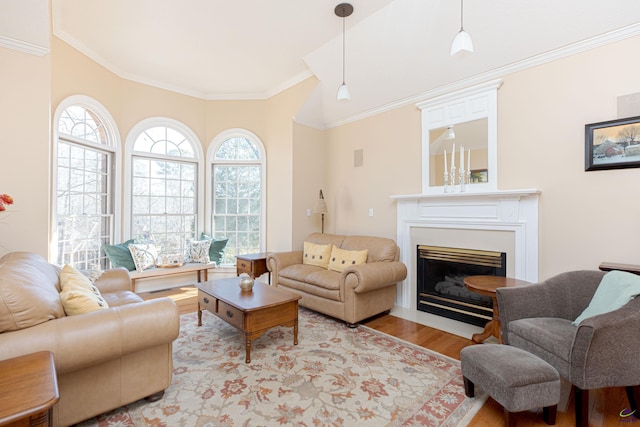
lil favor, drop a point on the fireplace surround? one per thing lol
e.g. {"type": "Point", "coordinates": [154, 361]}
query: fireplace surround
{"type": "Point", "coordinates": [504, 221]}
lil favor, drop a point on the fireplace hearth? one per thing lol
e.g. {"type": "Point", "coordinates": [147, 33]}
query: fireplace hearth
{"type": "Point", "coordinates": [440, 282]}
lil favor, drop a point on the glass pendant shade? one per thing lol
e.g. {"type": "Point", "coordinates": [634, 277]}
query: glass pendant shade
{"type": "Point", "coordinates": [450, 134]}
{"type": "Point", "coordinates": [343, 93]}
{"type": "Point", "coordinates": [461, 42]}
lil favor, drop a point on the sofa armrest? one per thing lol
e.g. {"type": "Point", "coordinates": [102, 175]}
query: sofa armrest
{"type": "Point", "coordinates": [92, 338]}
{"type": "Point", "coordinates": [371, 276]}
{"type": "Point", "coordinates": [276, 261]}
{"type": "Point", "coordinates": [605, 350]}
{"type": "Point", "coordinates": [114, 280]}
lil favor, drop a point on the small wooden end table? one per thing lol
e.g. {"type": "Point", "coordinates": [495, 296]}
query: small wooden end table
{"type": "Point", "coordinates": [255, 265]}
{"type": "Point", "coordinates": [29, 389]}
{"type": "Point", "coordinates": [487, 285]}
{"type": "Point", "coordinates": [252, 312]}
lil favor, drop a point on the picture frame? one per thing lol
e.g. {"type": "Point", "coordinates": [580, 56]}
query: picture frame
{"type": "Point", "coordinates": [479, 176]}
{"type": "Point", "coordinates": [614, 144]}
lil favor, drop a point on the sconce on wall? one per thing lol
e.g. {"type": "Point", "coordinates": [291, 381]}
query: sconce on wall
{"type": "Point", "coordinates": [343, 10]}
{"type": "Point", "coordinates": [463, 39]}
{"type": "Point", "coordinates": [321, 208]}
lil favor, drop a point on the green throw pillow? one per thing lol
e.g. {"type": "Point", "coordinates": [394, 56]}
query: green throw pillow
{"type": "Point", "coordinates": [120, 255]}
{"type": "Point", "coordinates": [216, 250]}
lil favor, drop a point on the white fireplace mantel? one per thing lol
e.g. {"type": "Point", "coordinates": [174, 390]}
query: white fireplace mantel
{"type": "Point", "coordinates": [508, 212]}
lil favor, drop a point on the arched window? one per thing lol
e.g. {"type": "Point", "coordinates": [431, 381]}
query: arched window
{"type": "Point", "coordinates": [85, 180]}
{"type": "Point", "coordinates": [236, 203]}
{"type": "Point", "coordinates": [163, 181]}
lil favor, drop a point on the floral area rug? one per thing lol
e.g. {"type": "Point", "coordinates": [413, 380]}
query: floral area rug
{"type": "Point", "coordinates": [335, 376]}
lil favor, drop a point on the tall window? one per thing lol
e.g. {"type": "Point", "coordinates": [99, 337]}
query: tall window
{"type": "Point", "coordinates": [237, 202]}
{"type": "Point", "coordinates": [84, 186]}
{"type": "Point", "coordinates": [164, 188]}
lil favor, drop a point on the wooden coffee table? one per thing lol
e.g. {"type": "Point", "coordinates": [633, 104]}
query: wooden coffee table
{"type": "Point", "coordinates": [252, 312]}
{"type": "Point", "coordinates": [487, 285]}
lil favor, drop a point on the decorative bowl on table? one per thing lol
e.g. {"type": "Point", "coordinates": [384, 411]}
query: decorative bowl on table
{"type": "Point", "coordinates": [170, 261]}
{"type": "Point", "coordinates": [246, 283]}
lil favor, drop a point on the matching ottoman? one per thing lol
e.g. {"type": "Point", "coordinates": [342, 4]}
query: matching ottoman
{"type": "Point", "coordinates": [515, 378]}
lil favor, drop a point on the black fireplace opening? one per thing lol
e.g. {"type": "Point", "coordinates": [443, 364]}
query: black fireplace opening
{"type": "Point", "coordinates": [440, 282]}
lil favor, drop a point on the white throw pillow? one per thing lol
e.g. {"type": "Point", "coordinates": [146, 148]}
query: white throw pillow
{"type": "Point", "coordinates": [198, 251]}
{"type": "Point", "coordinates": [144, 255]}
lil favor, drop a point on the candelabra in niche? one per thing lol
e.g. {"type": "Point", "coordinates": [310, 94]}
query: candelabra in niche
{"type": "Point", "coordinates": [452, 180]}
{"type": "Point", "coordinates": [461, 179]}
{"type": "Point", "coordinates": [446, 181]}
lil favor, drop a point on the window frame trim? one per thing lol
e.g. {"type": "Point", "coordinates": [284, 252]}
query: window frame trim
{"type": "Point", "coordinates": [215, 144]}
{"type": "Point", "coordinates": [129, 152]}
{"type": "Point", "coordinates": [114, 146]}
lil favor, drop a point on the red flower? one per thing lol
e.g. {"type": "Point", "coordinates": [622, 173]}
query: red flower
{"type": "Point", "coordinates": [5, 199]}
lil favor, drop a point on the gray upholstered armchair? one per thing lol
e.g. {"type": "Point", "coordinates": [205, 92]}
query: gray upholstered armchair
{"type": "Point", "coordinates": [602, 351]}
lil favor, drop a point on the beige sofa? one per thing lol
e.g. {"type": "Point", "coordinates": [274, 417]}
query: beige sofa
{"type": "Point", "coordinates": [359, 292]}
{"type": "Point", "coordinates": [104, 359]}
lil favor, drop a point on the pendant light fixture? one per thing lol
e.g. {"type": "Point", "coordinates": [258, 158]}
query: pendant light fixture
{"type": "Point", "coordinates": [463, 39]}
{"type": "Point", "coordinates": [343, 10]}
{"type": "Point", "coordinates": [450, 134]}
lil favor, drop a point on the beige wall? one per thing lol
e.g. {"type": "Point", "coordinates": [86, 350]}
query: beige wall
{"type": "Point", "coordinates": [25, 88]}
{"type": "Point", "coordinates": [33, 87]}
{"type": "Point", "coordinates": [585, 217]}
{"type": "Point", "coordinates": [309, 163]}
{"type": "Point", "coordinates": [391, 166]}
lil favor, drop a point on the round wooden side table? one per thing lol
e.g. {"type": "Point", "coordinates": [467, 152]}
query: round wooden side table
{"type": "Point", "coordinates": [487, 285]}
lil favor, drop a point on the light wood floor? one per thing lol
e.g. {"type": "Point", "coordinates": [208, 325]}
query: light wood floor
{"type": "Point", "coordinates": [605, 405]}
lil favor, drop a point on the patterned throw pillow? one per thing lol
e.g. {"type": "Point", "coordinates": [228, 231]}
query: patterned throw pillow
{"type": "Point", "coordinates": [144, 255]}
{"type": "Point", "coordinates": [318, 255]}
{"type": "Point", "coordinates": [198, 251]}
{"type": "Point", "coordinates": [78, 294]}
{"type": "Point", "coordinates": [341, 259]}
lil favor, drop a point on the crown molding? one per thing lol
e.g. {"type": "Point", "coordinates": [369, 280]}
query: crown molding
{"type": "Point", "coordinates": [498, 73]}
{"type": "Point", "coordinates": [22, 46]}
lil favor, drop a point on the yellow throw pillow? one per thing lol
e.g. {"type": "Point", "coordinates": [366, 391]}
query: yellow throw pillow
{"type": "Point", "coordinates": [314, 254]}
{"type": "Point", "coordinates": [341, 258]}
{"type": "Point", "coordinates": [78, 294]}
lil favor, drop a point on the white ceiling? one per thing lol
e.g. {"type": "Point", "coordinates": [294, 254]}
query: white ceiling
{"type": "Point", "coordinates": [396, 49]}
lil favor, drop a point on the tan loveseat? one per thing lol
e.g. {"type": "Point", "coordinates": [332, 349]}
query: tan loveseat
{"type": "Point", "coordinates": [357, 293]}
{"type": "Point", "coordinates": [104, 359]}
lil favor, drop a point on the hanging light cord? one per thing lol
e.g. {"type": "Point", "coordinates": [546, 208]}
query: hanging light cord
{"type": "Point", "coordinates": [461, 15]}
{"type": "Point", "coordinates": [343, 48]}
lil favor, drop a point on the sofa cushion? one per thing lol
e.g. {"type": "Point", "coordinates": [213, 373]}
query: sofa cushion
{"type": "Point", "coordinates": [29, 291]}
{"type": "Point", "coordinates": [341, 258]}
{"type": "Point", "coordinates": [549, 338]}
{"type": "Point", "coordinates": [379, 248]}
{"type": "Point", "coordinates": [300, 272]}
{"type": "Point", "coordinates": [78, 294]}
{"type": "Point", "coordinates": [318, 255]}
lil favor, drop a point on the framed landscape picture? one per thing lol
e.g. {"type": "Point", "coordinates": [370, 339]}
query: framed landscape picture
{"type": "Point", "coordinates": [479, 175]}
{"type": "Point", "coordinates": [614, 144]}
